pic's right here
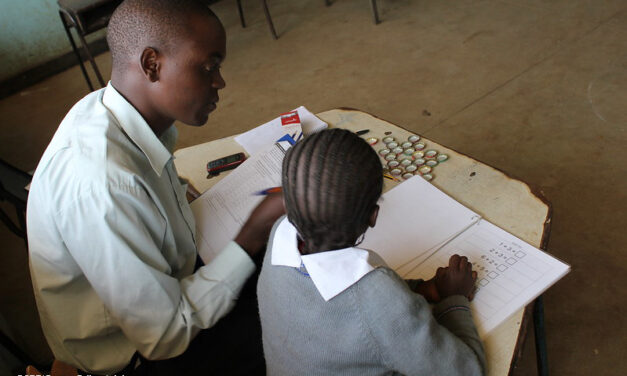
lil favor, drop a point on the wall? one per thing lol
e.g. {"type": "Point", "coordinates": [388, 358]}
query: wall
{"type": "Point", "coordinates": [31, 34]}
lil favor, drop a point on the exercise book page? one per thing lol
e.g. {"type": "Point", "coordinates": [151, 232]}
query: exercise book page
{"type": "Point", "coordinates": [511, 272]}
{"type": "Point", "coordinates": [221, 211]}
{"type": "Point", "coordinates": [414, 217]}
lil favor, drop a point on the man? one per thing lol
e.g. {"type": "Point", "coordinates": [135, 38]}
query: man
{"type": "Point", "coordinates": [111, 235]}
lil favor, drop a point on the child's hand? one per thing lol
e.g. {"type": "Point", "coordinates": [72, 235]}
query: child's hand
{"type": "Point", "coordinates": [457, 279]}
{"type": "Point", "coordinates": [428, 290]}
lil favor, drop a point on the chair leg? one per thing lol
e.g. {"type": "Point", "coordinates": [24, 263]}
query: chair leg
{"type": "Point", "coordinates": [9, 223]}
{"type": "Point", "coordinates": [375, 12]}
{"type": "Point", "coordinates": [91, 59]}
{"type": "Point", "coordinates": [538, 326]}
{"type": "Point", "coordinates": [8, 344]}
{"type": "Point", "coordinates": [21, 218]}
{"type": "Point", "coordinates": [269, 18]}
{"type": "Point", "coordinates": [241, 13]}
{"type": "Point", "coordinates": [78, 55]}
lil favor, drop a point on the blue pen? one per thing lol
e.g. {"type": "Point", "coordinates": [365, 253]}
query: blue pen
{"type": "Point", "coordinates": [266, 192]}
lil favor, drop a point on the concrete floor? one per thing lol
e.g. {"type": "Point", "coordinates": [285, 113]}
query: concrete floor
{"type": "Point", "coordinates": [535, 88]}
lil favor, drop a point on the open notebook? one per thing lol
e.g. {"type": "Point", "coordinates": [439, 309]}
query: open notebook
{"type": "Point", "coordinates": [419, 227]}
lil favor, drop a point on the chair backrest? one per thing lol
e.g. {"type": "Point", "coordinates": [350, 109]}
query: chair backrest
{"type": "Point", "coordinates": [12, 183]}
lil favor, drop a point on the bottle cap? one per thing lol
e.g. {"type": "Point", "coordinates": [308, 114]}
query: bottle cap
{"type": "Point", "coordinates": [418, 154]}
{"type": "Point", "coordinates": [408, 175]}
{"type": "Point", "coordinates": [431, 163]}
{"type": "Point", "coordinates": [396, 171]}
{"type": "Point", "coordinates": [442, 157]}
{"type": "Point", "coordinates": [411, 168]}
{"type": "Point", "coordinates": [393, 163]}
{"type": "Point", "coordinates": [427, 177]}
{"type": "Point", "coordinates": [384, 152]}
{"type": "Point", "coordinates": [387, 140]}
{"type": "Point", "coordinates": [419, 162]}
{"type": "Point", "coordinates": [431, 153]}
{"type": "Point", "coordinates": [392, 144]}
{"type": "Point", "coordinates": [406, 144]}
{"type": "Point", "coordinates": [390, 157]}
{"type": "Point", "coordinates": [409, 151]}
{"type": "Point", "coordinates": [413, 138]}
{"type": "Point", "coordinates": [397, 150]}
{"type": "Point", "coordinates": [420, 145]}
{"type": "Point", "coordinates": [406, 162]}
{"type": "Point", "coordinates": [424, 169]}
{"type": "Point", "coordinates": [372, 140]}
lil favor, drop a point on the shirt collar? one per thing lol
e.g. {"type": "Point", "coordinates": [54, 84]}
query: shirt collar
{"type": "Point", "coordinates": [332, 271]}
{"type": "Point", "coordinates": [136, 128]}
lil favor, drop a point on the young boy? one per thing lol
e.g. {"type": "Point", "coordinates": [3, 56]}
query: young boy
{"type": "Point", "coordinates": [328, 307]}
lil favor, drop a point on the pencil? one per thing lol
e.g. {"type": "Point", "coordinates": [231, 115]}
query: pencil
{"type": "Point", "coordinates": [390, 177]}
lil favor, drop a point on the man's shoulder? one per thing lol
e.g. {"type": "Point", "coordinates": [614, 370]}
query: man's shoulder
{"type": "Point", "coordinates": [88, 152]}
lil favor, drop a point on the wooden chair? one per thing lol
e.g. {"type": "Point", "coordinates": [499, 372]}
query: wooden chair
{"type": "Point", "coordinates": [58, 369]}
{"type": "Point", "coordinates": [264, 4]}
{"type": "Point", "coordinates": [86, 16]}
{"type": "Point", "coordinates": [12, 190]}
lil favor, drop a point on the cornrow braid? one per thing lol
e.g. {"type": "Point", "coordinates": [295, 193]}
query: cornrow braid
{"type": "Point", "coordinates": [332, 181]}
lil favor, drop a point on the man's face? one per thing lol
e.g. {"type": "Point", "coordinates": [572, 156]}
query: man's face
{"type": "Point", "coordinates": [189, 78]}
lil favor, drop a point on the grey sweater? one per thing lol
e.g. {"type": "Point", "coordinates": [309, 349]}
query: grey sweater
{"type": "Point", "coordinates": [375, 327]}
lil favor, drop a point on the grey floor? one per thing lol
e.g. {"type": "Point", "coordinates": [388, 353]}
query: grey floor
{"type": "Point", "coordinates": [532, 87]}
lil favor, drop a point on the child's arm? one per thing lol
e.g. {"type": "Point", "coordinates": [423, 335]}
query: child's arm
{"type": "Point", "coordinates": [410, 340]}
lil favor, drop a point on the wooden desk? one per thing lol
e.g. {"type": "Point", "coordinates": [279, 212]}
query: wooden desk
{"type": "Point", "coordinates": [504, 201]}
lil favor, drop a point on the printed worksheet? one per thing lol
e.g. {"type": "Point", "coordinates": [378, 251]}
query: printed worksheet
{"type": "Point", "coordinates": [221, 211]}
{"type": "Point", "coordinates": [511, 273]}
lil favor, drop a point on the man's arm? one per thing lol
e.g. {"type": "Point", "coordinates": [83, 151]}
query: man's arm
{"type": "Point", "coordinates": [120, 250]}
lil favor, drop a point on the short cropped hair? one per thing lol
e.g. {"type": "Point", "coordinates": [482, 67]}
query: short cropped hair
{"type": "Point", "coordinates": [331, 181]}
{"type": "Point", "coordinates": [136, 24]}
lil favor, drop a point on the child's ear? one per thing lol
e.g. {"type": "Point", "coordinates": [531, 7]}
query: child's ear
{"type": "Point", "coordinates": [373, 217]}
{"type": "Point", "coordinates": [150, 64]}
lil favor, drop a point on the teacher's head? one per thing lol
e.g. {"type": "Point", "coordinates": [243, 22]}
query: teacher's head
{"type": "Point", "coordinates": [166, 57]}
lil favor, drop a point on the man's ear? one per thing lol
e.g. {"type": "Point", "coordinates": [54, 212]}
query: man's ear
{"type": "Point", "coordinates": [373, 217]}
{"type": "Point", "coordinates": [150, 61]}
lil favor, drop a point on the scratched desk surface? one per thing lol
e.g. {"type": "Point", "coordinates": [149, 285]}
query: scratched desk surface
{"type": "Point", "coordinates": [506, 202]}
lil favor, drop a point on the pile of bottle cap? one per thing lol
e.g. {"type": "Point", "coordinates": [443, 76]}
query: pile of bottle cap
{"type": "Point", "coordinates": [408, 158]}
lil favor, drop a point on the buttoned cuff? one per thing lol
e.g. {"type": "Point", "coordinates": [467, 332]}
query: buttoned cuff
{"type": "Point", "coordinates": [232, 266]}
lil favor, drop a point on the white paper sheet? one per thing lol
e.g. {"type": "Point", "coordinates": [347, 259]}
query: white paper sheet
{"type": "Point", "coordinates": [511, 273]}
{"type": "Point", "coordinates": [414, 217]}
{"type": "Point", "coordinates": [264, 135]}
{"type": "Point", "coordinates": [221, 211]}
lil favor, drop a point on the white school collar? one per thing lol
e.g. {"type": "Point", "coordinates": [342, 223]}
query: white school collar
{"type": "Point", "coordinates": [332, 271]}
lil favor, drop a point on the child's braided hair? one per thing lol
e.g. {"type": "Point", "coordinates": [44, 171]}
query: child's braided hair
{"type": "Point", "coordinates": [332, 181]}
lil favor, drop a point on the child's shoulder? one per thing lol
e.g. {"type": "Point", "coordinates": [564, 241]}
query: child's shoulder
{"type": "Point", "coordinates": [384, 284]}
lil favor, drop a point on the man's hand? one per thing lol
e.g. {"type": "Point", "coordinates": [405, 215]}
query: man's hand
{"type": "Point", "coordinates": [192, 193]}
{"type": "Point", "coordinates": [457, 279]}
{"type": "Point", "coordinates": [254, 234]}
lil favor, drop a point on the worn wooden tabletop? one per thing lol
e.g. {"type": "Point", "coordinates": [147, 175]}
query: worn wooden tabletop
{"type": "Point", "coordinates": [502, 200]}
